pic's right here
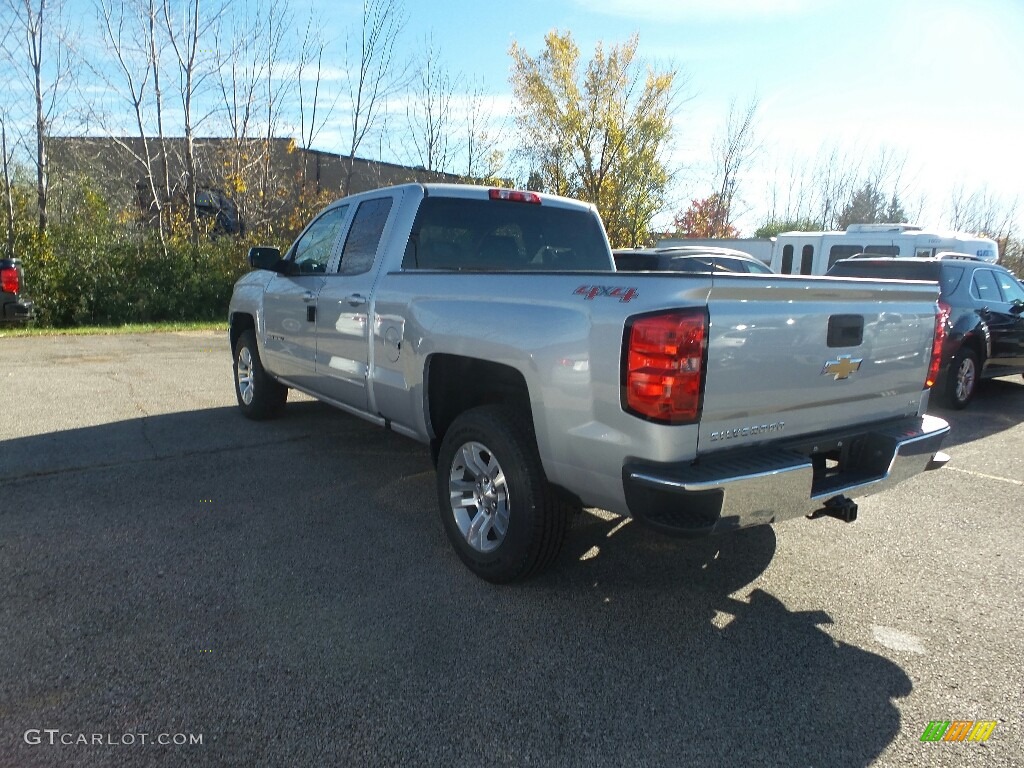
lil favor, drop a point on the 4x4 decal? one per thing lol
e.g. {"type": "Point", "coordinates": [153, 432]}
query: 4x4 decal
{"type": "Point", "coordinates": [616, 292]}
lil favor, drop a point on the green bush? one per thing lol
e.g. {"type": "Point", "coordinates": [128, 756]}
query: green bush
{"type": "Point", "coordinates": [92, 268]}
{"type": "Point", "coordinates": [77, 280]}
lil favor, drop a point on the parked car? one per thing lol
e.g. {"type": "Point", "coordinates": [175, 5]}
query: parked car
{"type": "Point", "coordinates": [688, 258]}
{"type": "Point", "coordinates": [15, 305]}
{"type": "Point", "coordinates": [983, 304]}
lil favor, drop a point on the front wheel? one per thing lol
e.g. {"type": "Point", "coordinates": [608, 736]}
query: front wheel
{"type": "Point", "coordinates": [963, 378]}
{"type": "Point", "coordinates": [502, 517]}
{"type": "Point", "coordinates": [259, 395]}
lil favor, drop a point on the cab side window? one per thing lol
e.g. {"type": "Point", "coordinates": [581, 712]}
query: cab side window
{"type": "Point", "coordinates": [364, 236]}
{"type": "Point", "coordinates": [313, 250]}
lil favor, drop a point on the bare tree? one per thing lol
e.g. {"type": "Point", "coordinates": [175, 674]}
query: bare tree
{"type": "Point", "coordinates": [483, 157]}
{"type": "Point", "coordinates": [278, 82]}
{"type": "Point", "coordinates": [314, 113]}
{"type": "Point", "coordinates": [7, 158]}
{"type": "Point", "coordinates": [250, 98]}
{"type": "Point", "coordinates": [188, 27]}
{"type": "Point", "coordinates": [374, 74]}
{"type": "Point", "coordinates": [311, 50]}
{"type": "Point", "coordinates": [429, 111]}
{"type": "Point", "coordinates": [129, 33]}
{"type": "Point", "coordinates": [815, 190]}
{"type": "Point", "coordinates": [981, 211]}
{"type": "Point", "coordinates": [43, 59]}
{"type": "Point", "coordinates": [155, 60]}
{"type": "Point", "coordinates": [733, 150]}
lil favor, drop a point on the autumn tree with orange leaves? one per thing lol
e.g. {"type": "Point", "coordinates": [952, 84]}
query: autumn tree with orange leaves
{"type": "Point", "coordinates": [704, 218]}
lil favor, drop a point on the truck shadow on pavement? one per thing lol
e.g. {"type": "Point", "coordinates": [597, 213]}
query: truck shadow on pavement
{"type": "Point", "coordinates": [718, 672]}
{"type": "Point", "coordinates": [286, 589]}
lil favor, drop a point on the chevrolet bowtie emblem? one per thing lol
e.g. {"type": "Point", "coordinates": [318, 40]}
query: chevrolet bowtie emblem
{"type": "Point", "coordinates": [842, 367]}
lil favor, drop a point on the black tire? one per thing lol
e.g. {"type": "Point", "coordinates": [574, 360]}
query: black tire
{"type": "Point", "coordinates": [962, 379]}
{"type": "Point", "coordinates": [259, 395]}
{"type": "Point", "coordinates": [490, 457]}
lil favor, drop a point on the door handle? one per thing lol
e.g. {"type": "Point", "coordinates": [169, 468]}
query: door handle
{"type": "Point", "coordinates": [309, 297]}
{"type": "Point", "coordinates": [355, 300]}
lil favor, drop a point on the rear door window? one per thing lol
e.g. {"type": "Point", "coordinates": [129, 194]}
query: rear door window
{"type": "Point", "coordinates": [688, 264]}
{"type": "Point", "coordinates": [985, 287]}
{"type": "Point", "coordinates": [364, 236]}
{"type": "Point", "coordinates": [726, 264]}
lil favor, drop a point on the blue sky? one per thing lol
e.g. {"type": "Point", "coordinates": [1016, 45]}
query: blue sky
{"type": "Point", "coordinates": [939, 82]}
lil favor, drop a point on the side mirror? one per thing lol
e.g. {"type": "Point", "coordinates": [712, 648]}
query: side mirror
{"type": "Point", "coordinates": [1017, 307]}
{"type": "Point", "coordinates": [264, 257]}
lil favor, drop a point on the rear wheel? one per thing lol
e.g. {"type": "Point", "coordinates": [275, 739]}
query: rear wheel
{"type": "Point", "coordinates": [962, 378]}
{"type": "Point", "coordinates": [259, 395]}
{"type": "Point", "coordinates": [504, 520]}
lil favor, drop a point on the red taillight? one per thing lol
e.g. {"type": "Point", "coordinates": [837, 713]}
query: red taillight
{"type": "Point", "coordinates": [514, 195]}
{"type": "Point", "coordinates": [9, 282]}
{"type": "Point", "coordinates": [663, 366]}
{"type": "Point", "coordinates": [941, 320]}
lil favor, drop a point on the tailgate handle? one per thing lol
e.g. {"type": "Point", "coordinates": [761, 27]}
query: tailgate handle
{"type": "Point", "coordinates": [845, 330]}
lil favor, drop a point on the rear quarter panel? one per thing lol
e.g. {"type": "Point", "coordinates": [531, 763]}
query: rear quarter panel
{"type": "Point", "coordinates": [567, 347]}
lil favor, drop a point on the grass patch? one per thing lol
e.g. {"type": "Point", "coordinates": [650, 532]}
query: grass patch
{"type": "Point", "coordinates": [114, 330]}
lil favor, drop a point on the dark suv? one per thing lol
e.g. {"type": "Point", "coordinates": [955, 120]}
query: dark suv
{"type": "Point", "coordinates": [15, 306]}
{"type": "Point", "coordinates": [983, 304]}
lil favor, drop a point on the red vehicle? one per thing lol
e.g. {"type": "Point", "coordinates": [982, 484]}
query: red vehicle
{"type": "Point", "coordinates": [15, 306]}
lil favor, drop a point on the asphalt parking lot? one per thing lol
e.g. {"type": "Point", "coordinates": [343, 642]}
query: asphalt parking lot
{"type": "Point", "coordinates": [284, 590]}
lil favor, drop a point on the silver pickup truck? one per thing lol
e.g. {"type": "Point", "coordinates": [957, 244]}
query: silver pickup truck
{"type": "Point", "coordinates": [491, 325]}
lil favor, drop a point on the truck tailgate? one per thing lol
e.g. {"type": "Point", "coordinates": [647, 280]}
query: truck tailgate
{"type": "Point", "coordinates": [796, 357]}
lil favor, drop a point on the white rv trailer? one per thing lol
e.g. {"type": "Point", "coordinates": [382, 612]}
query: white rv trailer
{"type": "Point", "coordinates": [812, 253]}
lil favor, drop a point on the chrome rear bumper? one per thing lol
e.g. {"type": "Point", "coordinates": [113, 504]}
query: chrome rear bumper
{"type": "Point", "coordinates": [737, 489]}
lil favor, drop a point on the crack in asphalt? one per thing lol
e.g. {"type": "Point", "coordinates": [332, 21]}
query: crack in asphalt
{"type": "Point", "coordinates": [143, 422]}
